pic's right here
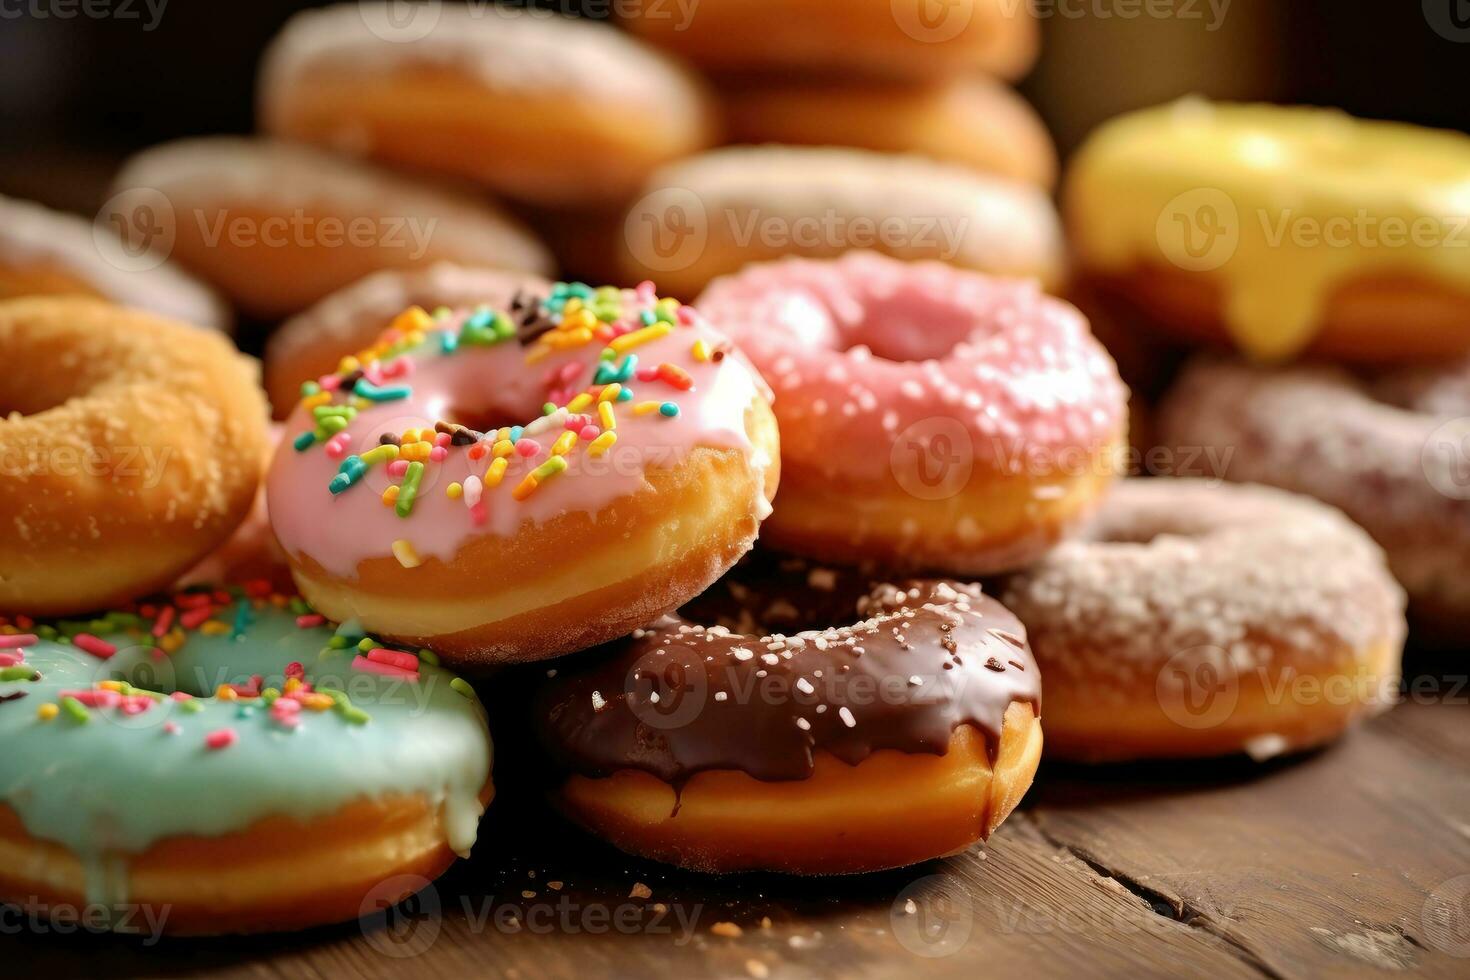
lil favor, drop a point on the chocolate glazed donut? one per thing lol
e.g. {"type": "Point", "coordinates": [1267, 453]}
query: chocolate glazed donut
{"type": "Point", "coordinates": [904, 736]}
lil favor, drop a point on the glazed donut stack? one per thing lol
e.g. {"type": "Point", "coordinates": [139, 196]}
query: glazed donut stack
{"type": "Point", "coordinates": [1330, 253]}
{"type": "Point", "coordinates": [865, 124]}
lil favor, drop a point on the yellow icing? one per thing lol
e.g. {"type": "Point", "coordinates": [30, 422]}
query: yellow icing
{"type": "Point", "coordinates": [1279, 205]}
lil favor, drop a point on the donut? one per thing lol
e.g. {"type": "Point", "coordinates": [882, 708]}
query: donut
{"type": "Point", "coordinates": [883, 38]}
{"type": "Point", "coordinates": [931, 418]}
{"type": "Point", "coordinates": [225, 761]}
{"type": "Point", "coordinates": [130, 448]}
{"type": "Point", "coordinates": [1388, 452]}
{"type": "Point", "coordinates": [1204, 619]}
{"type": "Point", "coordinates": [971, 120]}
{"type": "Point", "coordinates": [49, 253]}
{"type": "Point", "coordinates": [713, 214]}
{"type": "Point", "coordinates": [313, 342]}
{"type": "Point", "coordinates": [513, 484]}
{"type": "Point", "coordinates": [277, 227]}
{"type": "Point", "coordinates": [906, 733]}
{"type": "Point", "coordinates": [527, 103]}
{"type": "Point", "coordinates": [251, 554]}
{"type": "Point", "coordinates": [1279, 230]}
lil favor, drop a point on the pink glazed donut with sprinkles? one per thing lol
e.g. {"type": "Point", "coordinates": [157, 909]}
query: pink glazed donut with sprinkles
{"type": "Point", "coordinates": [931, 417]}
{"type": "Point", "coordinates": [513, 484]}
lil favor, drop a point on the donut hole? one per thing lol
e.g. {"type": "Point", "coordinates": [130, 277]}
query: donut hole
{"type": "Point", "coordinates": [768, 594]}
{"type": "Point", "coordinates": [485, 418]}
{"type": "Point", "coordinates": [901, 326]}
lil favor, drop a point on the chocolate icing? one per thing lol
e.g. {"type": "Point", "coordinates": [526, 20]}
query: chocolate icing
{"type": "Point", "coordinates": [923, 657]}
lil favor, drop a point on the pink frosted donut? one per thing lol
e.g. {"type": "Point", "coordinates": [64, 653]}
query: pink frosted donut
{"type": "Point", "coordinates": [517, 482]}
{"type": "Point", "coordinates": [931, 417]}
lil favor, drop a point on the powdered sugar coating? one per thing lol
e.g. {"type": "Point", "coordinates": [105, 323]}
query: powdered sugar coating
{"type": "Point", "coordinates": [32, 234]}
{"type": "Point", "coordinates": [1174, 565]}
{"type": "Point", "coordinates": [510, 50]}
{"type": "Point", "coordinates": [1322, 432]}
{"type": "Point", "coordinates": [860, 349]}
{"type": "Point", "coordinates": [240, 171]}
{"type": "Point", "coordinates": [920, 208]}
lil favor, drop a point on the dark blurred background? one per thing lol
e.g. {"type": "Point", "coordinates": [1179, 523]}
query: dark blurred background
{"type": "Point", "coordinates": [78, 91]}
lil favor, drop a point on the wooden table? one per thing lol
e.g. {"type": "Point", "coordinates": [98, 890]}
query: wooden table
{"type": "Point", "coordinates": [1349, 862]}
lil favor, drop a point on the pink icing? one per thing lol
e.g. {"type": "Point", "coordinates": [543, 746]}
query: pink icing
{"type": "Point", "coordinates": [860, 348]}
{"type": "Point", "coordinates": [341, 531]}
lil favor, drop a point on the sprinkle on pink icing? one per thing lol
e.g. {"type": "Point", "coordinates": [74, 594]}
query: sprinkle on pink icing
{"type": "Point", "coordinates": [861, 348]}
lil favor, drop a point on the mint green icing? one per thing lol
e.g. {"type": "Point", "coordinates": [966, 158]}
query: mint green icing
{"type": "Point", "coordinates": [115, 784]}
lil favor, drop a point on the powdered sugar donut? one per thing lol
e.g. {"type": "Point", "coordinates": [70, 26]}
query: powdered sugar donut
{"type": "Point", "coordinates": [930, 417]}
{"type": "Point", "coordinates": [713, 214]}
{"type": "Point", "coordinates": [314, 341]}
{"type": "Point", "coordinates": [277, 226]}
{"type": "Point", "coordinates": [540, 107]}
{"type": "Point", "coordinates": [518, 483]}
{"type": "Point", "coordinates": [1201, 619]}
{"type": "Point", "coordinates": [1391, 454]}
{"type": "Point", "coordinates": [49, 253]}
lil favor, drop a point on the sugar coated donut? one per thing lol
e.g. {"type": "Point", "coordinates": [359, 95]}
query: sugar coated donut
{"type": "Point", "coordinates": [49, 253]}
{"type": "Point", "coordinates": [930, 417]}
{"type": "Point", "coordinates": [713, 214]}
{"type": "Point", "coordinates": [906, 735]}
{"type": "Point", "coordinates": [313, 342]}
{"type": "Point", "coordinates": [891, 38]}
{"type": "Point", "coordinates": [222, 761]}
{"type": "Point", "coordinates": [278, 226]}
{"type": "Point", "coordinates": [522, 101]}
{"type": "Point", "coordinates": [972, 120]}
{"type": "Point", "coordinates": [1390, 453]}
{"type": "Point", "coordinates": [518, 483]}
{"type": "Point", "coordinates": [1280, 229]}
{"type": "Point", "coordinates": [1204, 619]}
{"type": "Point", "coordinates": [130, 448]}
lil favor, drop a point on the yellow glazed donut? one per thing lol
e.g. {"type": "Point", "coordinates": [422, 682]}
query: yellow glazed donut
{"type": "Point", "coordinates": [49, 253]}
{"type": "Point", "coordinates": [888, 38]}
{"type": "Point", "coordinates": [313, 342]}
{"type": "Point", "coordinates": [713, 214]}
{"type": "Point", "coordinates": [132, 449]}
{"type": "Point", "coordinates": [1280, 230]}
{"type": "Point", "coordinates": [278, 226]}
{"type": "Point", "coordinates": [971, 120]}
{"type": "Point", "coordinates": [514, 483]}
{"type": "Point", "coordinates": [1202, 619]}
{"type": "Point", "coordinates": [540, 107]}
